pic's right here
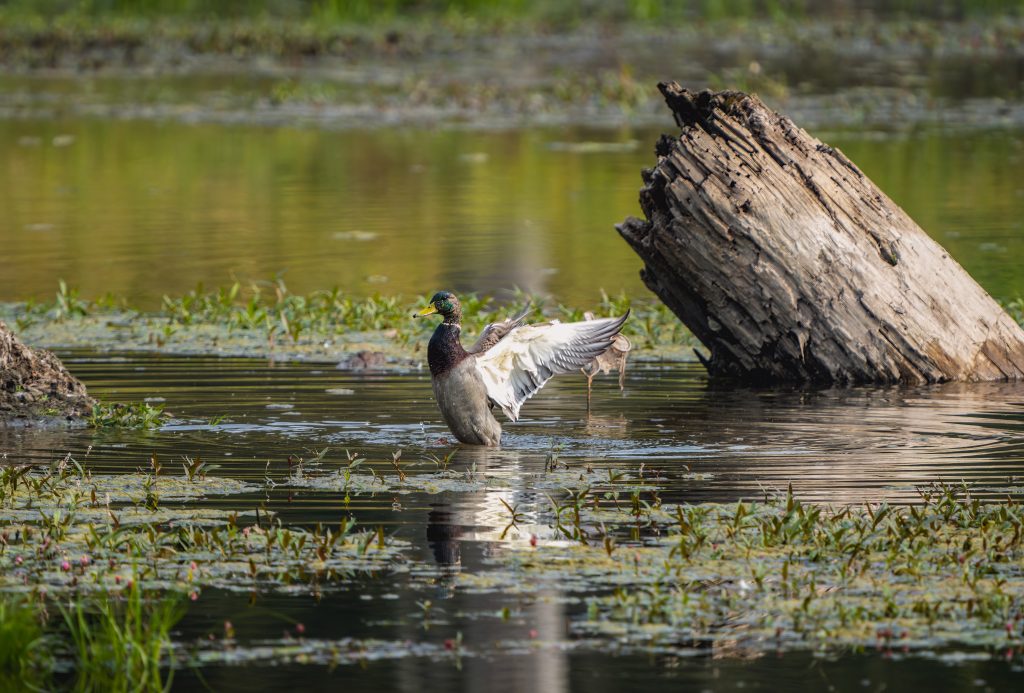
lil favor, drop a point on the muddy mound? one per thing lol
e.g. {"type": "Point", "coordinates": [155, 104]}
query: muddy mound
{"type": "Point", "coordinates": [34, 383]}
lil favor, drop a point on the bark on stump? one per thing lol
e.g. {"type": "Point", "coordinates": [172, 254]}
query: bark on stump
{"type": "Point", "coordinates": [789, 264]}
{"type": "Point", "coordinates": [34, 383]}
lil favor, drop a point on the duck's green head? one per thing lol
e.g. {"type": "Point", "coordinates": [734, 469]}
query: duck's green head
{"type": "Point", "coordinates": [445, 303]}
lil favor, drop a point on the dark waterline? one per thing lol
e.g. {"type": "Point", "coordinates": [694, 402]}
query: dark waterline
{"type": "Point", "coordinates": [591, 672]}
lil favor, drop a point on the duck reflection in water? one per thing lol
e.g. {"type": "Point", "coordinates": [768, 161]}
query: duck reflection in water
{"type": "Point", "coordinates": [443, 535]}
{"type": "Point", "coordinates": [481, 518]}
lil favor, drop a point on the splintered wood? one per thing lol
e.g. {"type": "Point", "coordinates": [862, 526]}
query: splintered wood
{"type": "Point", "coordinates": [789, 264]}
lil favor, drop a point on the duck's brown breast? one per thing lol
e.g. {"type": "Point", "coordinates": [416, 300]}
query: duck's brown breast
{"type": "Point", "coordinates": [462, 399]}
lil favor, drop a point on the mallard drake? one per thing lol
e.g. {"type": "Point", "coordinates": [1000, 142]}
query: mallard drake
{"type": "Point", "coordinates": [508, 364]}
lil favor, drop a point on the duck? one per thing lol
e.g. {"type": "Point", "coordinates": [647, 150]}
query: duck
{"type": "Point", "coordinates": [509, 363]}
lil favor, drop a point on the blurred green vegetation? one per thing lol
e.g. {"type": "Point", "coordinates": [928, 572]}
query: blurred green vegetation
{"type": "Point", "coordinates": [558, 12]}
{"type": "Point", "coordinates": [26, 659]}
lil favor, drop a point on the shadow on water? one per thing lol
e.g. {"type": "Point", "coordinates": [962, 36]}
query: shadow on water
{"type": "Point", "coordinates": [615, 672]}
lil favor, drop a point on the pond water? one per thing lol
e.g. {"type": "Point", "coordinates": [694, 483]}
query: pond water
{"type": "Point", "coordinates": [697, 443]}
{"type": "Point", "coordinates": [837, 446]}
{"type": "Point", "coordinates": [147, 205]}
{"type": "Point", "coordinates": [141, 208]}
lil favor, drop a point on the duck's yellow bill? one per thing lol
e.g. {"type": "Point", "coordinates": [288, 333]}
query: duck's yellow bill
{"type": "Point", "coordinates": [428, 310]}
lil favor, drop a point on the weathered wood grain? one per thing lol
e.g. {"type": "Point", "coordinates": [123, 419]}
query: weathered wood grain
{"type": "Point", "coordinates": [789, 264]}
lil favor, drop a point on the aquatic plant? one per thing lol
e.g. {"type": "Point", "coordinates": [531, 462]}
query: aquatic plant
{"type": "Point", "coordinates": [66, 530]}
{"type": "Point", "coordinates": [434, 475]}
{"type": "Point", "coordinates": [782, 574]}
{"type": "Point", "coordinates": [122, 641]}
{"type": "Point", "coordinates": [195, 469]}
{"type": "Point", "coordinates": [774, 574]}
{"type": "Point", "coordinates": [67, 304]}
{"type": "Point", "coordinates": [26, 660]}
{"type": "Point", "coordinates": [133, 415]}
{"type": "Point", "coordinates": [271, 307]}
{"type": "Point", "coordinates": [265, 318]}
{"type": "Point", "coordinates": [1016, 309]}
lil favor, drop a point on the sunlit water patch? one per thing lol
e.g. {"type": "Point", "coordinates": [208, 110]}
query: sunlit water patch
{"type": "Point", "coordinates": [142, 208]}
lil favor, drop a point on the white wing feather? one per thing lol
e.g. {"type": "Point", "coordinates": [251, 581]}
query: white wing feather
{"type": "Point", "coordinates": [519, 365]}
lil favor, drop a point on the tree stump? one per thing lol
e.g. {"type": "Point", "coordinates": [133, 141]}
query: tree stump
{"type": "Point", "coordinates": [34, 383]}
{"type": "Point", "coordinates": [789, 264]}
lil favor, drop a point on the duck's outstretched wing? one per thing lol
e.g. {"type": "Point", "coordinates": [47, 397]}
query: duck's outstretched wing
{"type": "Point", "coordinates": [514, 369]}
{"type": "Point", "coordinates": [496, 331]}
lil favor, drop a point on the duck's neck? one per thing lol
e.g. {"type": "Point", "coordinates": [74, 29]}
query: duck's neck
{"type": "Point", "coordinates": [453, 316]}
{"type": "Point", "coordinates": [445, 350]}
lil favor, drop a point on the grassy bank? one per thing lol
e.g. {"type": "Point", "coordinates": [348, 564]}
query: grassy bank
{"type": "Point", "coordinates": [102, 32]}
{"type": "Point", "coordinates": [561, 12]}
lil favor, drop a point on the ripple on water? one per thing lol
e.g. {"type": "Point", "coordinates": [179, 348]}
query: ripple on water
{"type": "Point", "coordinates": [837, 445]}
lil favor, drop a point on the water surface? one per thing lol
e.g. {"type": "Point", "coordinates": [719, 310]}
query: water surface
{"type": "Point", "coordinates": [836, 446]}
{"type": "Point", "coordinates": [142, 187]}
{"type": "Point", "coordinates": [141, 208]}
